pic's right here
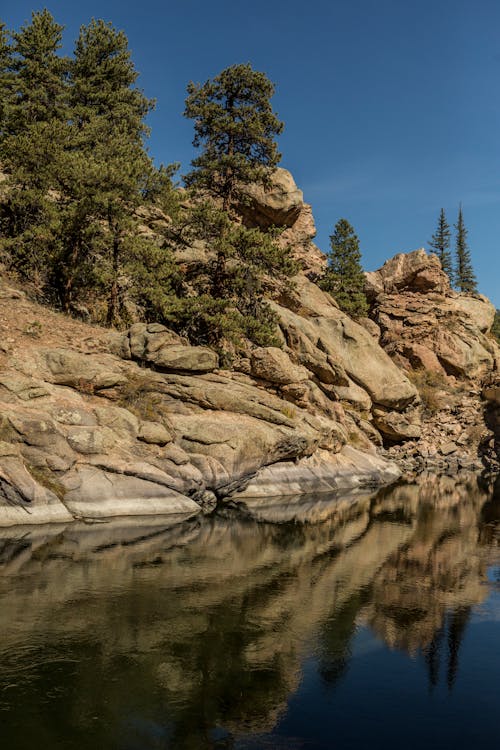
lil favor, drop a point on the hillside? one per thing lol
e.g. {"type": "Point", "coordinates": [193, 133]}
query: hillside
{"type": "Point", "coordinates": [98, 422]}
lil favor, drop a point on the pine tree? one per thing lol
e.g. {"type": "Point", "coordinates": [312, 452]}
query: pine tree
{"type": "Point", "coordinates": [465, 276]}
{"type": "Point", "coordinates": [235, 126]}
{"type": "Point", "coordinates": [40, 73]}
{"type": "Point", "coordinates": [106, 167]}
{"type": "Point", "coordinates": [30, 146]}
{"type": "Point", "coordinates": [344, 278]}
{"type": "Point", "coordinates": [6, 77]}
{"type": "Point", "coordinates": [440, 242]}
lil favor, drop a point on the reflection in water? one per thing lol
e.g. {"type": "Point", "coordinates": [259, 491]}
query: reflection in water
{"type": "Point", "coordinates": [198, 635]}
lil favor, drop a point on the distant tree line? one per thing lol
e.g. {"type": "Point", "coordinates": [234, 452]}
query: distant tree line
{"type": "Point", "coordinates": [458, 266]}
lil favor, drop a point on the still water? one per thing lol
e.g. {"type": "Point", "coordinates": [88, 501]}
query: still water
{"type": "Point", "coordinates": [369, 621]}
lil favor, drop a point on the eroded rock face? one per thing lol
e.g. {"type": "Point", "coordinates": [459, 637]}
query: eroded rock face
{"type": "Point", "coordinates": [99, 435]}
{"type": "Point", "coordinates": [344, 359]}
{"type": "Point", "coordinates": [425, 325]}
{"type": "Point", "coordinates": [281, 204]}
{"type": "Point", "coordinates": [415, 272]}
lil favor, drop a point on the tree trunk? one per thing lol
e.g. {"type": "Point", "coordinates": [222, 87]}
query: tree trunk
{"type": "Point", "coordinates": [113, 315]}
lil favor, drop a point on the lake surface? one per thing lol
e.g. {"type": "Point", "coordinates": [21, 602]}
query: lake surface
{"type": "Point", "coordinates": [366, 621]}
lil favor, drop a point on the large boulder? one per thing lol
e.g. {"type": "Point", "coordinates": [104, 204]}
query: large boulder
{"type": "Point", "coordinates": [415, 271]}
{"type": "Point", "coordinates": [274, 365]}
{"type": "Point", "coordinates": [161, 347]}
{"type": "Point", "coordinates": [349, 347]}
{"type": "Point", "coordinates": [278, 204]}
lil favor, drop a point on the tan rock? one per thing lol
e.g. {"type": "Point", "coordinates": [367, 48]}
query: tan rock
{"type": "Point", "coordinates": [154, 433]}
{"type": "Point", "coordinates": [415, 271]}
{"type": "Point", "coordinates": [274, 365]}
{"type": "Point", "coordinates": [94, 371]}
{"type": "Point", "coordinates": [397, 427]}
{"type": "Point", "coordinates": [347, 344]}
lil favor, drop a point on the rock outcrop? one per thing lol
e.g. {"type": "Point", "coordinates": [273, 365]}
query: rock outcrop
{"type": "Point", "coordinates": [281, 204]}
{"type": "Point", "coordinates": [96, 424]}
{"type": "Point", "coordinates": [442, 340]}
{"type": "Point", "coordinates": [149, 425]}
{"type": "Point", "coordinates": [426, 325]}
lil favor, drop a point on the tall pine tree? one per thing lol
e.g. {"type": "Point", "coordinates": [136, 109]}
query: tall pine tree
{"type": "Point", "coordinates": [465, 276]}
{"type": "Point", "coordinates": [106, 168]}
{"type": "Point", "coordinates": [344, 278]}
{"type": "Point", "coordinates": [6, 77]}
{"type": "Point", "coordinates": [33, 122]}
{"type": "Point", "coordinates": [235, 128]}
{"type": "Point", "coordinates": [440, 242]}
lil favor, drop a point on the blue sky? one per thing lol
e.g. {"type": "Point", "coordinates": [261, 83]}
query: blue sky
{"type": "Point", "coordinates": [391, 107]}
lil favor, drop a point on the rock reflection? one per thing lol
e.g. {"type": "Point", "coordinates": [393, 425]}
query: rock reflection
{"type": "Point", "coordinates": [185, 636]}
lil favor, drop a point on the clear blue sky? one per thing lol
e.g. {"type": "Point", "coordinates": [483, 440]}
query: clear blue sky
{"type": "Point", "coordinates": [391, 107]}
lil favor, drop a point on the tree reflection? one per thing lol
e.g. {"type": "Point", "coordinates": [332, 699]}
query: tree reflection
{"type": "Point", "coordinates": [188, 636]}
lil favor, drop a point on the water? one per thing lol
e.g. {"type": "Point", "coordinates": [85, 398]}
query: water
{"type": "Point", "coordinates": [372, 621]}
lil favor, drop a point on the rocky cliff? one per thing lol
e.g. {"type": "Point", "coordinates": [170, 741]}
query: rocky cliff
{"type": "Point", "coordinates": [442, 340]}
{"type": "Point", "coordinates": [97, 423]}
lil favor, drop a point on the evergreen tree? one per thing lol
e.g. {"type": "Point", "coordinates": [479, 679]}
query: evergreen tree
{"type": "Point", "coordinates": [440, 242]}
{"type": "Point", "coordinates": [40, 73]}
{"type": "Point", "coordinates": [33, 117]}
{"type": "Point", "coordinates": [344, 277]}
{"type": "Point", "coordinates": [235, 126]}
{"type": "Point", "coordinates": [106, 168]}
{"type": "Point", "coordinates": [6, 76]}
{"type": "Point", "coordinates": [465, 276]}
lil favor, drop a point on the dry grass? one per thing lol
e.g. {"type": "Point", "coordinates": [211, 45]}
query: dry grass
{"type": "Point", "coordinates": [47, 479]}
{"type": "Point", "coordinates": [434, 389]}
{"type": "Point", "coordinates": [139, 397]}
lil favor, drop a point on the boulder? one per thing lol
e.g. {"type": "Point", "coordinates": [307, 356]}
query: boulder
{"type": "Point", "coordinates": [415, 271]}
{"type": "Point", "coordinates": [274, 365]}
{"type": "Point", "coordinates": [164, 349]}
{"type": "Point", "coordinates": [281, 204]}
{"type": "Point", "coordinates": [348, 345]}
{"type": "Point", "coordinates": [154, 433]}
{"type": "Point", "coordinates": [278, 204]}
{"type": "Point", "coordinates": [396, 427]}
{"type": "Point", "coordinates": [91, 372]}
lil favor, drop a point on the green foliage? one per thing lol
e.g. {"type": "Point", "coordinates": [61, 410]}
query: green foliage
{"type": "Point", "coordinates": [496, 326]}
{"type": "Point", "coordinates": [440, 242]}
{"type": "Point", "coordinates": [81, 185]}
{"type": "Point", "coordinates": [72, 141]}
{"type": "Point", "coordinates": [465, 276]}
{"type": "Point", "coordinates": [235, 126]}
{"type": "Point", "coordinates": [226, 300]}
{"type": "Point", "coordinates": [344, 278]}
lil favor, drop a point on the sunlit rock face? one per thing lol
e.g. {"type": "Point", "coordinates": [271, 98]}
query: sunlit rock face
{"type": "Point", "coordinates": [425, 324]}
{"type": "Point", "coordinates": [189, 610]}
{"type": "Point", "coordinates": [491, 393]}
{"type": "Point", "coordinates": [281, 204]}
